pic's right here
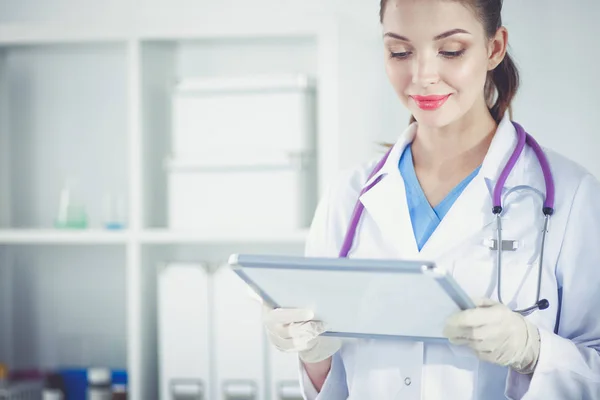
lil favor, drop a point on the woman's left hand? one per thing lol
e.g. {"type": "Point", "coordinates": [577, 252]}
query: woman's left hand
{"type": "Point", "coordinates": [497, 335]}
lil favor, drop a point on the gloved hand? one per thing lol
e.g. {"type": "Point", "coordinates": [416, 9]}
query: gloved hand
{"type": "Point", "coordinates": [294, 331]}
{"type": "Point", "coordinates": [497, 335]}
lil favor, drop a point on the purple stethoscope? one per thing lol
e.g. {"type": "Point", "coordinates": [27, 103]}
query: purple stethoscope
{"type": "Point", "coordinates": [547, 209]}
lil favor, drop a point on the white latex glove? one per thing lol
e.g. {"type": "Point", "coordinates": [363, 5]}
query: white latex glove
{"type": "Point", "coordinates": [294, 331]}
{"type": "Point", "coordinates": [497, 335]}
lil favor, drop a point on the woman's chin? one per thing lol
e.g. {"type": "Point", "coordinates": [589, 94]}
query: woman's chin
{"type": "Point", "coordinates": [434, 118]}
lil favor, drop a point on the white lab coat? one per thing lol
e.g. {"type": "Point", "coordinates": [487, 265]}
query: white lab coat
{"type": "Point", "coordinates": [569, 363]}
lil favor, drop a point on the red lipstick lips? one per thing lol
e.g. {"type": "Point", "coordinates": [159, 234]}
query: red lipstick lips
{"type": "Point", "coordinates": [431, 102]}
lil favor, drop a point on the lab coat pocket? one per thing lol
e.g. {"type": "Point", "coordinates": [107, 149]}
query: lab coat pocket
{"type": "Point", "coordinates": [386, 369]}
{"type": "Point", "coordinates": [473, 267]}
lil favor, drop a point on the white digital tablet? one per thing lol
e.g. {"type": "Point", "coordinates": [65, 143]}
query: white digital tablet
{"type": "Point", "coordinates": [359, 298]}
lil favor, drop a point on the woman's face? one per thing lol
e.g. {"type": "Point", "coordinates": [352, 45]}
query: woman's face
{"type": "Point", "coordinates": [437, 58]}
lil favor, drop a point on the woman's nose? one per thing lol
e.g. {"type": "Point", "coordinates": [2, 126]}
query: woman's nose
{"type": "Point", "coordinates": [425, 71]}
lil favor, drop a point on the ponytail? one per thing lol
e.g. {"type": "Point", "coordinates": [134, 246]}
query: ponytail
{"type": "Point", "coordinates": [505, 79]}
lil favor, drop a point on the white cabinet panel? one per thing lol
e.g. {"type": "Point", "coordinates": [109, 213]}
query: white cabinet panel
{"type": "Point", "coordinates": [184, 336]}
{"type": "Point", "coordinates": [238, 338]}
{"type": "Point", "coordinates": [284, 375]}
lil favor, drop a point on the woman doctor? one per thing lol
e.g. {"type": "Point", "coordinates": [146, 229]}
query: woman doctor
{"type": "Point", "coordinates": [432, 200]}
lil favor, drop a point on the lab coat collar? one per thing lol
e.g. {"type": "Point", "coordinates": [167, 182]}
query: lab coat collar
{"type": "Point", "coordinates": [526, 171]}
{"type": "Point", "coordinates": [472, 211]}
{"type": "Point", "coordinates": [387, 203]}
{"type": "Point", "coordinates": [500, 150]}
{"type": "Point", "coordinates": [391, 164]}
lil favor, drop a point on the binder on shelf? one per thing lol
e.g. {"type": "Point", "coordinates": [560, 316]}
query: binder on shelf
{"type": "Point", "coordinates": [238, 339]}
{"type": "Point", "coordinates": [184, 331]}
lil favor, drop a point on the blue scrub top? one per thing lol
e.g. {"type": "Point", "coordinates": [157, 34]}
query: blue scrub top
{"type": "Point", "coordinates": [425, 219]}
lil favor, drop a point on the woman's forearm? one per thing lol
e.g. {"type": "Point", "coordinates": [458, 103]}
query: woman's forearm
{"type": "Point", "coordinates": [317, 372]}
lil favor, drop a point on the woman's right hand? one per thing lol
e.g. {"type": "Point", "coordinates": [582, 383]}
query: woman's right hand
{"type": "Point", "coordinates": [293, 330]}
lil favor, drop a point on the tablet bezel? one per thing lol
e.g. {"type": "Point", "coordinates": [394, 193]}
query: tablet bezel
{"type": "Point", "coordinates": [240, 262]}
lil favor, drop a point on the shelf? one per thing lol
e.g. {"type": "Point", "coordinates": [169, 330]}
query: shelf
{"type": "Point", "coordinates": [160, 236]}
{"type": "Point", "coordinates": [54, 79]}
{"type": "Point", "coordinates": [52, 236]}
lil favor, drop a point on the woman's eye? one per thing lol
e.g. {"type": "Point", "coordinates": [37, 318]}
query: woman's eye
{"type": "Point", "coordinates": [403, 54]}
{"type": "Point", "coordinates": [452, 54]}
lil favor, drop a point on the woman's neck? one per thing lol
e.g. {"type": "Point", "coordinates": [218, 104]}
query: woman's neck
{"type": "Point", "coordinates": [461, 145]}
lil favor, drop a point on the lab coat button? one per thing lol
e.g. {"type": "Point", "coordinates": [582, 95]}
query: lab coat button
{"type": "Point", "coordinates": [407, 381]}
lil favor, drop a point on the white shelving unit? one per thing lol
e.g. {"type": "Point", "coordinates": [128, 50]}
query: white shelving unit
{"type": "Point", "coordinates": [92, 101]}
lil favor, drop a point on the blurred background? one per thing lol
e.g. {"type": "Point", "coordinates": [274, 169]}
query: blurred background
{"type": "Point", "coordinates": [142, 142]}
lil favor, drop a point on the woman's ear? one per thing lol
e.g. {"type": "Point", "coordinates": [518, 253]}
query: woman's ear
{"type": "Point", "coordinates": [497, 48]}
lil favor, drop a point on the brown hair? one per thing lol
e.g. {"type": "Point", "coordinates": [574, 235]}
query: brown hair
{"type": "Point", "coordinates": [502, 81]}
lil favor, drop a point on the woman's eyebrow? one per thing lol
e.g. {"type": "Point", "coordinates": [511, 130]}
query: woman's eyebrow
{"type": "Point", "coordinates": [437, 37]}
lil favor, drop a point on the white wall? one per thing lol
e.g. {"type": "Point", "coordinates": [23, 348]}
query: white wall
{"type": "Point", "coordinates": [69, 306]}
{"type": "Point", "coordinates": [555, 44]}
